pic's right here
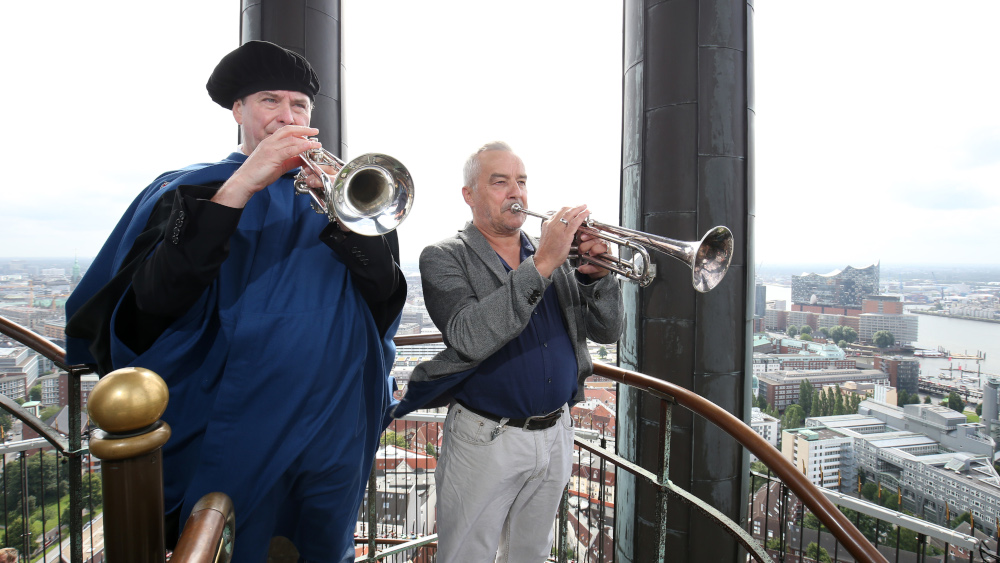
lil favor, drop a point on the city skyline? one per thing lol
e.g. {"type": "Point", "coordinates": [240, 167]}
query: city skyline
{"type": "Point", "coordinates": [894, 130]}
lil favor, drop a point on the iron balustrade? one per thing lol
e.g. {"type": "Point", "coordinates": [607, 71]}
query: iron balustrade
{"type": "Point", "coordinates": [375, 532]}
{"type": "Point", "coordinates": [778, 520]}
{"type": "Point", "coordinates": [69, 450]}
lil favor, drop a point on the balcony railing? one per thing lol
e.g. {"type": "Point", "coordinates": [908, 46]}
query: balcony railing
{"type": "Point", "coordinates": [585, 526]}
{"type": "Point", "coordinates": [580, 520]}
{"type": "Point", "coordinates": [51, 519]}
{"type": "Point", "coordinates": [779, 520]}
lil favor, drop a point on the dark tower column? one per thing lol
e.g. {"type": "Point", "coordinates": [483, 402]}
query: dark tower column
{"type": "Point", "coordinates": [687, 165]}
{"type": "Point", "coordinates": [311, 28]}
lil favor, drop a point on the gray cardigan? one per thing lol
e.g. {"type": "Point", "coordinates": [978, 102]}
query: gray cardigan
{"type": "Point", "coordinates": [479, 306]}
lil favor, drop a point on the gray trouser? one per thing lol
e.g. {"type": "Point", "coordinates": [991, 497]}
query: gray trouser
{"type": "Point", "coordinates": [498, 496]}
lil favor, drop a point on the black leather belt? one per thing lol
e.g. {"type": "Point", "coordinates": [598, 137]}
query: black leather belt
{"type": "Point", "coordinates": [531, 423]}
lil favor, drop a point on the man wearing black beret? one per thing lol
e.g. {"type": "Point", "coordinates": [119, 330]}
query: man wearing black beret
{"type": "Point", "coordinates": [272, 326]}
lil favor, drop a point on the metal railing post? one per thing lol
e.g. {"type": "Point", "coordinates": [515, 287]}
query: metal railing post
{"type": "Point", "coordinates": [75, 477]}
{"type": "Point", "coordinates": [372, 485]}
{"type": "Point", "coordinates": [563, 522]}
{"type": "Point", "coordinates": [666, 424]}
{"type": "Point", "coordinates": [25, 522]}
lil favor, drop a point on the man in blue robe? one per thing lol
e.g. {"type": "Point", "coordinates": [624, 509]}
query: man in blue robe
{"type": "Point", "coordinates": [271, 326]}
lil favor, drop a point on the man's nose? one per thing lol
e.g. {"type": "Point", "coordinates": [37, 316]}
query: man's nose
{"type": "Point", "coordinates": [285, 114]}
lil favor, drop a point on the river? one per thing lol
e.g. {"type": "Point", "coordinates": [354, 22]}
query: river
{"type": "Point", "coordinates": [960, 336]}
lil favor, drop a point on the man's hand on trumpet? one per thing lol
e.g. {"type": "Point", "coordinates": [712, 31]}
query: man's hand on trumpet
{"type": "Point", "coordinates": [271, 158]}
{"type": "Point", "coordinates": [590, 245]}
{"type": "Point", "coordinates": [559, 233]}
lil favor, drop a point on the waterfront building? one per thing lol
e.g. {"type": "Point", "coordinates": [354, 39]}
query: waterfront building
{"type": "Point", "coordinates": [904, 373]}
{"type": "Point", "coordinates": [839, 292]}
{"type": "Point", "coordinates": [767, 426]}
{"type": "Point", "coordinates": [949, 428]}
{"type": "Point", "coordinates": [765, 363]}
{"type": "Point", "coordinates": [760, 300]}
{"type": "Point", "coordinates": [930, 479]}
{"type": "Point", "coordinates": [824, 454]}
{"type": "Point", "coordinates": [823, 349]}
{"type": "Point", "coordinates": [781, 388]}
{"type": "Point", "coordinates": [904, 328]}
{"type": "Point", "coordinates": [19, 368]}
{"type": "Point", "coordinates": [54, 389]}
{"type": "Point", "coordinates": [775, 319]}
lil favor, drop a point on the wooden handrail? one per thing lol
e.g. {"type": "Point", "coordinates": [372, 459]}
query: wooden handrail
{"type": "Point", "coordinates": [36, 342]}
{"type": "Point", "coordinates": [209, 532]}
{"type": "Point", "coordinates": [846, 533]}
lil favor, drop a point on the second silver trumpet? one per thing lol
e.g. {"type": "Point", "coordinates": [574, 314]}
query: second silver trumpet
{"type": "Point", "coordinates": [708, 258]}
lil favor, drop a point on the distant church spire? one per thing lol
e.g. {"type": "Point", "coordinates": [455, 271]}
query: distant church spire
{"type": "Point", "coordinates": [75, 277]}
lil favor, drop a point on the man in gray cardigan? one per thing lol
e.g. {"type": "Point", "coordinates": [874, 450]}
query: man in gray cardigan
{"type": "Point", "coordinates": [515, 317]}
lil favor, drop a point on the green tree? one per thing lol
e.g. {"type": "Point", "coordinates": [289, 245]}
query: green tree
{"type": "Point", "coordinates": [602, 352]}
{"type": "Point", "coordinates": [817, 553]}
{"type": "Point", "coordinates": [806, 329]}
{"type": "Point", "coordinates": [49, 412]}
{"type": "Point", "coordinates": [955, 402]}
{"type": "Point", "coordinates": [819, 404]}
{"type": "Point", "coordinates": [836, 333]}
{"type": "Point", "coordinates": [850, 335]}
{"type": "Point", "coordinates": [794, 417]}
{"type": "Point", "coordinates": [792, 331]}
{"type": "Point", "coordinates": [963, 517]}
{"type": "Point", "coordinates": [806, 337]}
{"type": "Point", "coordinates": [927, 399]}
{"type": "Point", "coordinates": [840, 407]}
{"type": "Point", "coordinates": [853, 402]}
{"type": "Point", "coordinates": [431, 450]}
{"type": "Point", "coordinates": [11, 486]}
{"type": "Point", "coordinates": [870, 491]}
{"type": "Point", "coordinates": [883, 339]}
{"type": "Point", "coordinates": [806, 397]}
{"type": "Point", "coordinates": [904, 398]}
{"type": "Point", "coordinates": [35, 394]}
{"type": "Point", "coordinates": [825, 331]}
{"type": "Point", "coordinates": [393, 439]}
{"type": "Point", "coordinates": [842, 343]}
{"type": "Point", "coordinates": [979, 409]}
{"type": "Point", "coordinates": [761, 401]}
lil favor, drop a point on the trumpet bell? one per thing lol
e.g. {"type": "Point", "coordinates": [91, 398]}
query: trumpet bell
{"type": "Point", "coordinates": [712, 258]}
{"type": "Point", "coordinates": [372, 194]}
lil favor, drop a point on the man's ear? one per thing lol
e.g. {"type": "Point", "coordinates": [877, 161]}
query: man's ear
{"type": "Point", "coordinates": [467, 194]}
{"type": "Point", "coordinates": [238, 111]}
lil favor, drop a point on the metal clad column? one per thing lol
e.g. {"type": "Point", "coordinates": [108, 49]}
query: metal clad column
{"type": "Point", "coordinates": [686, 167]}
{"type": "Point", "coordinates": [311, 28]}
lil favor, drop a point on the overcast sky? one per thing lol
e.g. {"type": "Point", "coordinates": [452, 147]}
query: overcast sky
{"type": "Point", "coordinates": [877, 128]}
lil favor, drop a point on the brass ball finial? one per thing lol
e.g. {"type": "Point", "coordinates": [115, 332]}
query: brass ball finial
{"type": "Point", "coordinates": [128, 399]}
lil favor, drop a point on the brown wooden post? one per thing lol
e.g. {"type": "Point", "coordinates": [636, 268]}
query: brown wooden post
{"type": "Point", "coordinates": [127, 405]}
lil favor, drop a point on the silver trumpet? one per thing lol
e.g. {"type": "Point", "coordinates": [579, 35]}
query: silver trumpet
{"type": "Point", "coordinates": [370, 195]}
{"type": "Point", "coordinates": [708, 258]}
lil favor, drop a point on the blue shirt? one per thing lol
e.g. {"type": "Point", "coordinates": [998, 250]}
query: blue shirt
{"type": "Point", "coordinates": [533, 374]}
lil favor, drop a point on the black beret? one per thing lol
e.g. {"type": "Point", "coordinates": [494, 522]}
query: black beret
{"type": "Point", "coordinates": [256, 66]}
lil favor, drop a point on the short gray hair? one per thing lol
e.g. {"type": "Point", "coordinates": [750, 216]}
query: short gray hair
{"type": "Point", "coordinates": [470, 173]}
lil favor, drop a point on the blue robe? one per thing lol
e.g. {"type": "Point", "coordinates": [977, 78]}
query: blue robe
{"type": "Point", "coordinates": [278, 363]}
